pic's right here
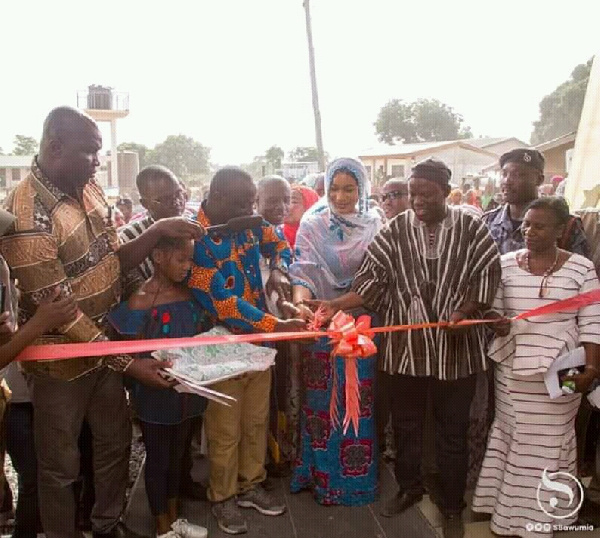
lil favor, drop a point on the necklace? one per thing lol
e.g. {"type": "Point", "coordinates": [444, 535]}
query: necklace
{"type": "Point", "coordinates": [544, 284]}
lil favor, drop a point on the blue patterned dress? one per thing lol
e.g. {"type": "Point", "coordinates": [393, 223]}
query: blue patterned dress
{"type": "Point", "coordinates": [340, 469]}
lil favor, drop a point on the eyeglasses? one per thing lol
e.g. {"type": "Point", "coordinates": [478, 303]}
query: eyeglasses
{"type": "Point", "coordinates": [393, 195]}
{"type": "Point", "coordinates": [170, 200]}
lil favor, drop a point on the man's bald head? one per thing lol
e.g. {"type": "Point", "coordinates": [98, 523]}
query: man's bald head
{"type": "Point", "coordinates": [273, 199]}
{"type": "Point", "coordinates": [69, 148]}
{"type": "Point", "coordinates": [64, 122]}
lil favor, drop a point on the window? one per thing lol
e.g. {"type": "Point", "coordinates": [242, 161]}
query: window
{"type": "Point", "coordinates": [398, 170]}
{"type": "Point", "coordinates": [2, 178]}
{"type": "Point", "coordinates": [368, 169]}
{"type": "Point", "coordinates": [16, 174]}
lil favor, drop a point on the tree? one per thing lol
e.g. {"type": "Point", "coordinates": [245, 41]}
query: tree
{"type": "Point", "coordinates": [304, 154]}
{"type": "Point", "coordinates": [140, 149]}
{"type": "Point", "coordinates": [186, 157]}
{"type": "Point", "coordinates": [423, 120]}
{"type": "Point", "coordinates": [560, 111]}
{"type": "Point", "coordinates": [274, 155]}
{"type": "Point", "coordinates": [25, 145]}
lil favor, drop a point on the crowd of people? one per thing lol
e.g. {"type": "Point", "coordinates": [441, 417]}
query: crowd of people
{"type": "Point", "coordinates": [70, 273]}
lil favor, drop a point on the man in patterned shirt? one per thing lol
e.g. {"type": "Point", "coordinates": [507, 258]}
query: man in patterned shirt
{"type": "Point", "coordinates": [226, 280]}
{"type": "Point", "coordinates": [61, 238]}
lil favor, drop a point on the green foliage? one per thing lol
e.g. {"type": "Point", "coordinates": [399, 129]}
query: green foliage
{"type": "Point", "coordinates": [274, 155]}
{"type": "Point", "coordinates": [424, 120]}
{"type": "Point", "coordinates": [560, 111]}
{"type": "Point", "coordinates": [25, 145]}
{"type": "Point", "coordinates": [140, 149]}
{"type": "Point", "coordinates": [182, 154]}
{"type": "Point", "coordinates": [305, 154]}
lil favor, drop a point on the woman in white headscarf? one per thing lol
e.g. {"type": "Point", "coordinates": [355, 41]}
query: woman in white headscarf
{"type": "Point", "coordinates": [330, 245]}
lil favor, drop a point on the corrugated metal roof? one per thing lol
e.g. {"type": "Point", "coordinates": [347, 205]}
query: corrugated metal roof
{"type": "Point", "coordinates": [487, 141]}
{"type": "Point", "coordinates": [406, 150]}
{"type": "Point", "coordinates": [551, 144]}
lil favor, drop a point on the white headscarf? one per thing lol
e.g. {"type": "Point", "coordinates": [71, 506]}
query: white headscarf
{"type": "Point", "coordinates": [331, 247]}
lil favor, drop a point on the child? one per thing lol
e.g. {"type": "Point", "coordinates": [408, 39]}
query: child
{"type": "Point", "coordinates": [164, 308]}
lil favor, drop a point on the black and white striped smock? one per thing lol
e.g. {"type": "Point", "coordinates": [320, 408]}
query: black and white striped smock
{"type": "Point", "coordinates": [130, 232]}
{"type": "Point", "coordinates": [531, 432]}
{"type": "Point", "coordinates": [409, 277]}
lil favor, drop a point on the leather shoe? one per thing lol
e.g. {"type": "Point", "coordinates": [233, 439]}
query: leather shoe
{"type": "Point", "coordinates": [401, 502]}
{"type": "Point", "coordinates": [453, 526]}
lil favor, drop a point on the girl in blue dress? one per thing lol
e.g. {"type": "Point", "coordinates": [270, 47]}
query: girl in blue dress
{"type": "Point", "coordinates": [163, 307]}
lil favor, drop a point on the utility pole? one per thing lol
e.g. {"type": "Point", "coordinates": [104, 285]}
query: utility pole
{"type": "Point", "coordinates": [313, 82]}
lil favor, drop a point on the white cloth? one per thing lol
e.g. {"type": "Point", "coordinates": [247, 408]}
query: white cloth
{"type": "Point", "coordinates": [533, 344]}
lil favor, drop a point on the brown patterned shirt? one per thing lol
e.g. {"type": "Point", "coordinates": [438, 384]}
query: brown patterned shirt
{"type": "Point", "coordinates": [59, 241]}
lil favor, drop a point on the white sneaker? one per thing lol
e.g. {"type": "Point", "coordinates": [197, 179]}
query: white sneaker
{"type": "Point", "coordinates": [188, 530]}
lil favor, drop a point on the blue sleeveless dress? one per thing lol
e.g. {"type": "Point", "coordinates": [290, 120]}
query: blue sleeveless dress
{"type": "Point", "coordinates": [172, 320]}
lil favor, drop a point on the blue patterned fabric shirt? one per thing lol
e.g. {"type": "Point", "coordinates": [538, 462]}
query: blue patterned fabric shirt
{"type": "Point", "coordinates": [507, 234]}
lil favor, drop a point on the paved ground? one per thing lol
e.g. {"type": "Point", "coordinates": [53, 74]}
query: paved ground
{"type": "Point", "coordinates": [306, 519]}
{"type": "Point", "coordinates": [303, 519]}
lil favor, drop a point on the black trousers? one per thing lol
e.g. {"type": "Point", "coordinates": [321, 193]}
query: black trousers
{"type": "Point", "coordinates": [451, 408]}
{"type": "Point", "coordinates": [21, 449]}
{"type": "Point", "coordinates": [166, 449]}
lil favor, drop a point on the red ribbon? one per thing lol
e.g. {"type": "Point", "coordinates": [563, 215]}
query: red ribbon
{"type": "Point", "coordinates": [352, 340]}
{"type": "Point", "coordinates": [97, 349]}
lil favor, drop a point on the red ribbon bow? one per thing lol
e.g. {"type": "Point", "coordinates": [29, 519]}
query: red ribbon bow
{"type": "Point", "coordinates": [352, 339]}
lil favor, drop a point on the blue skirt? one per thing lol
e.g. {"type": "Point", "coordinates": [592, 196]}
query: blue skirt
{"type": "Point", "coordinates": [340, 469]}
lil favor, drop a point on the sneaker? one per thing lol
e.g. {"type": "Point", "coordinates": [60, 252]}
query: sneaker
{"type": "Point", "coordinates": [259, 499]}
{"type": "Point", "coordinates": [229, 517]}
{"type": "Point", "coordinates": [183, 529]}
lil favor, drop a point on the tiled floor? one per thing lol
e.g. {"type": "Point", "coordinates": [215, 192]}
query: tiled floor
{"type": "Point", "coordinates": [306, 519]}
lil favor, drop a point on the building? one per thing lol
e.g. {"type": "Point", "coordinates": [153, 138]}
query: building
{"type": "Point", "coordinates": [463, 158]}
{"type": "Point", "coordinates": [13, 168]}
{"type": "Point", "coordinates": [498, 145]}
{"type": "Point", "coordinates": [297, 170]}
{"type": "Point", "coordinates": [557, 154]}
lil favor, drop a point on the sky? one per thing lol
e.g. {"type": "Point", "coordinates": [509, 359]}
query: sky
{"type": "Point", "coordinates": [233, 74]}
